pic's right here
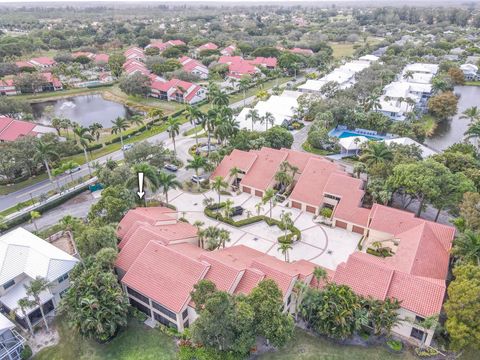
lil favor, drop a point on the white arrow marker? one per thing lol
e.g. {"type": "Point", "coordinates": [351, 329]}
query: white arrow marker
{"type": "Point", "coordinates": [140, 191]}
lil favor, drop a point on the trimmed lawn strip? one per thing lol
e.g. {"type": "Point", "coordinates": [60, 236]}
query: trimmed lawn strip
{"type": "Point", "coordinates": [309, 148]}
{"type": "Point", "coordinates": [135, 342]}
{"type": "Point", "coordinates": [253, 91]}
{"type": "Point", "coordinates": [308, 347]}
{"type": "Point", "coordinates": [4, 189]}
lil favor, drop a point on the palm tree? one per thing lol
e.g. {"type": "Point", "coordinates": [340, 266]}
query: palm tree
{"type": "Point", "coordinates": [136, 120]}
{"type": "Point", "coordinates": [198, 162]}
{"type": "Point", "coordinates": [220, 99]}
{"type": "Point", "coordinates": [285, 247]}
{"type": "Point", "coordinates": [84, 137]}
{"type": "Point", "coordinates": [155, 114]}
{"type": "Point", "coordinates": [173, 131]}
{"type": "Point", "coordinates": [320, 275]}
{"type": "Point", "coordinates": [223, 237]}
{"type": "Point", "coordinates": [34, 215]}
{"type": "Point", "coordinates": [119, 126]}
{"type": "Point", "coordinates": [57, 124]}
{"type": "Point", "coordinates": [408, 75]}
{"type": "Point", "coordinates": [268, 119]}
{"type": "Point", "coordinates": [286, 221]}
{"type": "Point", "coordinates": [227, 128]}
{"type": "Point", "coordinates": [283, 177]}
{"type": "Point", "coordinates": [44, 152]}
{"type": "Point", "coordinates": [167, 182]}
{"type": "Point", "coordinates": [193, 115]}
{"type": "Point", "coordinates": [68, 166]}
{"type": "Point", "coordinates": [243, 85]}
{"type": "Point", "coordinates": [24, 304]}
{"type": "Point", "coordinates": [211, 237]}
{"type": "Point", "coordinates": [259, 207]}
{"type": "Point", "coordinates": [269, 197]}
{"type": "Point", "coordinates": [218, 185]}
{"type": "Point", "coordinates": [376, 152]}
{"type": "Point", "coordinates": [94, 130]}
{"type": "Point", "coordinates": [262, 95]}
{"type": "Point", "coordinates": [198, 224]}
{"type": "Point", "coordinates": [234, 172]}
{"type": "Point", "coordinates": [467, 246]}
{"type": "Point", "coordinates": [150, 178]}
{"type": "Point", "coordinates": [209, 122]}
{"type": "Point", "coordinates": [227, 209]}
{"type": "Point", "coordinates": [253, 114]}
{"type": "Point", "coordinates": [473, 131]}
{"type": "Point", "coordinates": [472, 114]}
{"type": "Point", "coordinates": [34, 289]}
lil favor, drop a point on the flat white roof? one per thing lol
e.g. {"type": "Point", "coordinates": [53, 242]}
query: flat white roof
{"type": "Point", "coordinates": [422, 68]}
{"type": "Point", "coordinates": [5, 323]}
{"type": "Point", "coordinates": [426, 151]}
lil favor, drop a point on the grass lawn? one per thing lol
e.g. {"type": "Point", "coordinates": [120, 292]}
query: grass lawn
{"type": "Point", "coordinates": [136, 342]}
{"type": "Point", "coordinates": [308, 347]}
{"type": "Point", "coordinates": [344, 49]}
{"type": "Point", "coordinates": [472, 83]}
{"type": "Point", "coordinates": [309, 148]}
{"type": "Point", "coordinates": [45, 96]}
{"type": "Point", "coordinates": [252, 91]}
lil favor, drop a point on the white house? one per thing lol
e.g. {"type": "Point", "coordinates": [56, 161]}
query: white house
{"type": "Point", "coordinates": [426, 151]}
{"type": "Point", "coordinates": [24, 257]}
{"type": "Point", "coordinates": [470, 72]}
{"type": "Point", "coordinates": [282, 108]}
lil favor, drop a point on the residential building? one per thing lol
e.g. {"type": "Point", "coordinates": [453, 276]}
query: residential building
{"type": "Point", "coordinates": [42, 62]}
{"type": "Point", "coordinates": [229, 50]}
{"type": "Point", "coordinates": [11, 342]}
{"type": "Point", "coordinates": [417, 267]}
{"type": "Point", "coordinates": [194, 67]}
{"type": "Point", "coordinates": [24, 257]}
{"type": "Point", "coordinates": [343, 76]}
{"type": "Point", "coordinates": [238, 66]}
{"type": "Point", "coordinates": [12, 129]}
{"type": "Point", "coordinates": [133, 66]}
{"type": "Point", "coordinates": [425, 150]}
{"type": "Point", "coordinates": [281, 107]}
{"type": "Point", "coordinates": [159, 263]}
{"type": "Point", "coordinates": [300, 51]}
{"type": "Point", "coordinates": [207, 46]}
{"type": "Point", "coordinates": [134, 53]}
{"type": "Point", "coordinates": [7, 87]}
{"type": "Point", "coordinates": [470, 72]}
{"type": "Point", "coordinates": [165, 45]}
{"type": "Point", "coordinates": [177, 90]}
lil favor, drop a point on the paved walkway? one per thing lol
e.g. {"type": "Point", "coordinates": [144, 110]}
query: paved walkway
{"type": "Point", "coordinates": [320, 244]}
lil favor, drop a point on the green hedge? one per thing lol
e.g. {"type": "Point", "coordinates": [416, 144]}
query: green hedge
{"type": "Point", "coordinates": [211, 212]}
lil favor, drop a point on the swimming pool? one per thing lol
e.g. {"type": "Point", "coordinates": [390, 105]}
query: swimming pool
{"type": "Point", "coordinates": [346, 134]}
{"type": "Point", "coordinates": [341, 133]}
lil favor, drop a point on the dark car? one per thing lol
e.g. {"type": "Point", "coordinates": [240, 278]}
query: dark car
{"type": "Point", "coordinates": [237, 210]}
{"type": "Point", "coordinates": [171, 167]}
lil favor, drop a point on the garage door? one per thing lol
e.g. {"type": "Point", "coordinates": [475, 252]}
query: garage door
{"type": "Point", "coordinates": [296, 205]}
{"type": "Point", "coordinates": [341, 224]}
{"type": "Point", "coordinates": [247, 190]}
{"type": "Point", "coordinates": [357, 229]}
{"type": "Point", "coordinates": [310, 209]}
{"type": "Point", "coordinates": [258, 193]}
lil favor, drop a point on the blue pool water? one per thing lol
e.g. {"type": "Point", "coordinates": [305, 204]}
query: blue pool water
{"type": "Point", "coordinates": [346, 134]}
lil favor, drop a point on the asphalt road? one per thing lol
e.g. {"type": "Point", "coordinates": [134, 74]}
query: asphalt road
{"type": "Point", "coordinates": [42, 187]}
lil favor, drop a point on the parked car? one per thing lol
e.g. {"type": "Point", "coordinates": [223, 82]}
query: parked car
{"type": "Point", "coordinates": [127, 147]}
{"type": "Point", "coordinates": [171, 167]}
{"type": "Point", "coordinates": [198, 179]}
{"type": "Point", "coordinates": [74, 170]}
{"type": "Point", "coordinates": [237, 210]}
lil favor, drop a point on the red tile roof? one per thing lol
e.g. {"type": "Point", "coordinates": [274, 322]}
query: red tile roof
{"type": "Point", "coordinates": [238, 158]}
{"type": "Point", "coordinates": [249, 281]}
{"type": "Point", "coordinates": [229, 50]}
{"type": "Point", "coordinates": [420, 295]}
{"type": "Point", "coordinates": [262, 172]}
{"type": "Point", "coordinates": [44, 61]}
{"type": "Point", "coordinates": [21, 64]}
{"type": "Point", "coordinates": [151, 215]}
{"type": "Point", "coordinates": [264, 61]}
{"type": "Point", "coordinates": [165, 275]}
{"type": "Point", "coordinates": [208, 46]}
{"type": "Point", "coordinates": [102, 58]}
{"type": "Point", "coordinates": [11, 129]}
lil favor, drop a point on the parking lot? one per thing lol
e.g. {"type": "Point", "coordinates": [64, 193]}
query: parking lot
{"type": "Point", "coordinates": [319, 244]}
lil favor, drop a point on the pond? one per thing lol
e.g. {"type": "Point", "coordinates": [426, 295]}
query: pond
{"type": "Point", "coordinates": [84, 109]}
{"type": "Point", "coordinates": [452, 131]}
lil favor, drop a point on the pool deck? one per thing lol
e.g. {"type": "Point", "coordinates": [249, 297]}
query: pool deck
{"type": "Point", "coordinates": [344, 133]}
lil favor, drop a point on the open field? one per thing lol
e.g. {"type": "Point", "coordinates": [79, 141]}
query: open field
{"type": "Point", "coordinates": [133, 343]}
{"type": "Point", "coordinates": [345, 49]}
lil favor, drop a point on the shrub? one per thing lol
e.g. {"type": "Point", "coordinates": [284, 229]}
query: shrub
{"type": "Point", "coordinates": [425, 352]}
{"type": "Point", "coordinates": [26, 353]}
{"type": "Point", "coordinates": [326, 212]}
{"type": "Point", "coordinates": [137, 314]}
{"type": "Point", "coordinates": [395, 345]}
